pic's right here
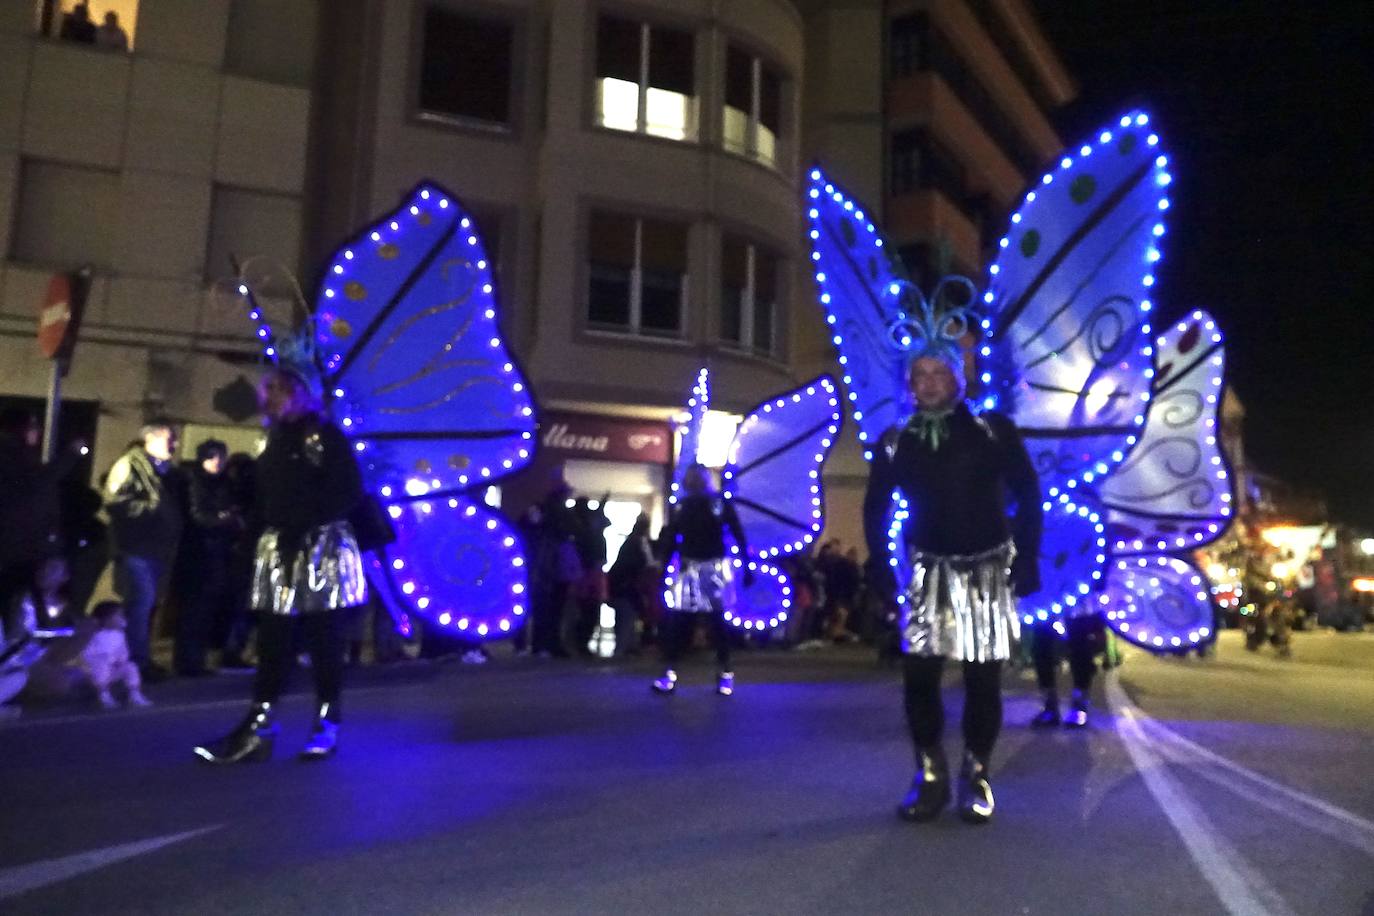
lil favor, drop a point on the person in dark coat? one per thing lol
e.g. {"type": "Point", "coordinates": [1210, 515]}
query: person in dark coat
{"type": "Point", "coordinates": [214, 521]}
{"type": "Point", "coordinates": [625, 584]}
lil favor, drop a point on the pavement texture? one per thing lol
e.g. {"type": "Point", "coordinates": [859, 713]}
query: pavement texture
{"type": "Point", "coordinates": [1234, 784]}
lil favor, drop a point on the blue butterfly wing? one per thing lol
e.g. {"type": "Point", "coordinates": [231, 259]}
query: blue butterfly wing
{"type": "Point", "coordinates": [1174, 491]}
{"type": "Point", "coordinates": [1159, 603]}
{"type": "Point", "coordinates": [1069, 349]}
{"type": "Point", "coordinates": [766, 603]}
{"type": "Point", "coordinates": [426, 388]}
{"type": "Point", "coordinates": [456, 563]}
{"type": "Point", "coordinates": [855, 275]}
{"type": "Point", "coordinates": [774, 473]}
{"type": "Point", "coordinates": [422, 380]}
{"type": "Point", "coordinates": [697, 406]}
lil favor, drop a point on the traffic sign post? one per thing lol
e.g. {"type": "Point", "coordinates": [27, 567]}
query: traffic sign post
{"type": "Point", "coordinates": [59, 322]}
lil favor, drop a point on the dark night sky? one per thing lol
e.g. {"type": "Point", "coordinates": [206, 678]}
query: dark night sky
{"type": "Point", "coordinates": [1266, 110]}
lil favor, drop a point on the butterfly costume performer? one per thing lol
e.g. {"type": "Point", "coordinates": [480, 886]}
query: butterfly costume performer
{"type": "Point", "coordinates": [1118, 426]}
{"type": "Point", "coordinates": [402, 406]}
{"type": "Point", "coordinates": [772, 490]}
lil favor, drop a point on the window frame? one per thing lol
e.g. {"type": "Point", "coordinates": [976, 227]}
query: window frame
{"type": "Point", "coordinates": [646, 22]}
{"type": "Point", "coordinates": [758, 62]}
{"type": "Point", "coordinates": [634, 326]}
{"type": "Point", "coordinates": [517, 20]}
{"type": "Point", "coordinates": [745, 343]}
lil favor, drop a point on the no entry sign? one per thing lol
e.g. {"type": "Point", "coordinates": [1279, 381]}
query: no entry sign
{"type": "Point", "coordinates": [59, 315]}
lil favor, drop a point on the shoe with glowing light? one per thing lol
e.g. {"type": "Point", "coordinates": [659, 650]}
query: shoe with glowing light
{"type": "Point", "coordinates": [725, 684]}
{"type": "Point", "coordinates": [250, 742]}
{"type": "Point", "coordinates": [1077, 716]}
{"type": "Point", "coordinates": [1049, 716]}
{"type": "Point", "coordinates": [324, 739]}
{"type": "Point", "coordinates": [665, 684]}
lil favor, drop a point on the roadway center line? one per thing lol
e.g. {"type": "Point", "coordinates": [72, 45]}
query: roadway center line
{"type": "Point", "coordinates": [1240, 888]}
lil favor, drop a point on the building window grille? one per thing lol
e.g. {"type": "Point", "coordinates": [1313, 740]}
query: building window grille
{"type": "Point", "coordinates": [749, 296]}
{"type": "Point", "coordinates": [465, 68]}
{"type": "Point", "coordinates": [645, 79]}
{"type": "Point", "coordinates": [753, 107]}
{"type": "Point", "coordinates": [637, 275]}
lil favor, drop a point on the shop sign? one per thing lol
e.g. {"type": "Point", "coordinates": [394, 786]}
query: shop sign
{"type": "Point", "coordinates": [580, 435]}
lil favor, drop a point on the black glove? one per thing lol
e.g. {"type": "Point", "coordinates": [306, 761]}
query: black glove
{"type": "Point", "coordinates": [1025, 575]}
{"type": "Point", "coordinates": [748, 577]}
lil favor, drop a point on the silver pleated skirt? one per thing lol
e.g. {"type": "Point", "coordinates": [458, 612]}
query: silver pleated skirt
{"type": "Point", "coordinates": [327, 573]}
{"type": "Point", "coordinates": [703, 586]}
{"type": "Point", "coordinates": [961, 607]}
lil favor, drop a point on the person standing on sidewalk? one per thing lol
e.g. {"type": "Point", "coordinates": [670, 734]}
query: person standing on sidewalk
{"type": "Point", "coordinates": [144, 504]}
{"type": "Point", "coordinates": [206, 592]}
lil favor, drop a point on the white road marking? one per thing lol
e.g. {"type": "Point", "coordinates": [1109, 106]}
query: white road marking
{"type": "Point", "coordinates": [1241, 889]}
{"type": "Point", "coordinates": [1308, 810]}
{"type": "Point", "coordinates": [24, 878]}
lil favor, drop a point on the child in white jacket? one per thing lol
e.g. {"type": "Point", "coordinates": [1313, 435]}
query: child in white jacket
{"type": "Point", "coordinates": [106, 661]}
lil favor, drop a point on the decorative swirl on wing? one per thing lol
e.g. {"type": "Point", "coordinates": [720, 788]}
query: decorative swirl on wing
{"type": "Point", "coordinates": [1068, 348]}
{"type": "Point", "coordinates": [1159, 603]}
{"type": "Point", "coordinates": [457, 563]}
{"type": "Point", "coordinates": [422, 379]}
{"type": "Point", "coordinates": [861, 285]}
{"type": "Point", "coordinates": [1174, 492]}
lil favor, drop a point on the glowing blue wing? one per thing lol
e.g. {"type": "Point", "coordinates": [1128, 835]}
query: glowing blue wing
{"type": "Point", "coordinates": [1159, 603]}
{"type": "Point", "coordinates": [455, 562]}
{"type": "Point", "coordinates": [858, 280]}
{"type": "Point", "coordinates": [1068, 351]}
{"type": "Point", "coordinates": [697, 406]}
{"type": "Point", "coordinates": [774, 473]}
{"type": "Point", "coordinates": [421, 378]}
{"type": "Point", "coordinates": [1174, 491]}
{"type": "Point", "coordinates": [425, 387]}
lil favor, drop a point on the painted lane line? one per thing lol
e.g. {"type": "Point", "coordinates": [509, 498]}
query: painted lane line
{"type": "Point", "coordinates": [1241, 889]}
{"type": "Point", "coordinates": [1309, 811]}
{"type": "Point", "coordinates": [24, 878]}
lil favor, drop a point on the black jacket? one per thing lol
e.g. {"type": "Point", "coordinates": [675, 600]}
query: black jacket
{"type": "Point", "coordinates": [959, 493]}
{"type": "Point", "coordinates": [144, 504]}
{"type": "Point", "coordinates": [29, 504]}
{"type": "Point", "coordinates": [307, 476]}
{"type": "Point", "coordinates": [696, 529]}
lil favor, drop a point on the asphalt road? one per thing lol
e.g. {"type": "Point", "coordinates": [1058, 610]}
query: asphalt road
{"type": "Point", "coordinates": [1238, 784]}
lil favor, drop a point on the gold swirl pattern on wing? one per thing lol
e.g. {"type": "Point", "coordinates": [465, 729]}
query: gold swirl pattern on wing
{"type": "Point", "coordinates": [459, 270]}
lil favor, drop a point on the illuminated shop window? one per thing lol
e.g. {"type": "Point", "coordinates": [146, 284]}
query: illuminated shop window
{"type": "Point", "coordinates": [749, 296]}
{"type": "Point", "coordinates": [645, 79]}
{"type": "Point", "coordinates": [465, 68]}
{"type": "Point", "coordinates": [637, 275]}
{"type": "Point", "coordinates": [753, 107]}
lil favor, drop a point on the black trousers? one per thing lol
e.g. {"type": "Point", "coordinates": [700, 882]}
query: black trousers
{"type": "Point", "coordinates": [925, 710]}
{"type": "Point", "coordinates": [1081, 635]}
{"type": "Point", "coordinates": [547, 611]}
{"type": "Point", "coordinates": [681, 626]}
{"type": "Point", "coordinates": [323, 637]}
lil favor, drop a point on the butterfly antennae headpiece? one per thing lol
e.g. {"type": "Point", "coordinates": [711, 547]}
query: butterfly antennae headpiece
{"type": "Point", "coordinates": [933, 327]}
{"type": "Point", "coordinates": [289, 345]}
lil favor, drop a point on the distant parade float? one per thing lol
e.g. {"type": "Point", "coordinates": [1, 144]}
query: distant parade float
{"type": "Point", "coordinates": [1121, 420]}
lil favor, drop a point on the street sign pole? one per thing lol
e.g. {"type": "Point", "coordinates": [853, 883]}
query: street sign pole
{"type": "Point", "coordinates": [59, 322]}
{"type": "Point", "coordinates": [55, 374]}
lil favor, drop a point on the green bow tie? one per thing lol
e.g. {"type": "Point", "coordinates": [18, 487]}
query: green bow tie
{"type": "Point", "coordinates": [931, 427]}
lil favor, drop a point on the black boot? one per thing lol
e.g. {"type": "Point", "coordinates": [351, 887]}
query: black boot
{"type": "Point", "coordinates": [929, 790]}
{"type": "Point", "coordinates": [250, 742]}
{"type": "Point", "coordinates": [325, 736]}
{"type": "Point", "coordinates": [975, 801]}
{"type": "Point", "coordinates": [1049, 716]}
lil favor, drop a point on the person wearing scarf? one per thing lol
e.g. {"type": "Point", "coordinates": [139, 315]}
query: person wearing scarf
{"type": "Point", "coordinates": [966, 561]}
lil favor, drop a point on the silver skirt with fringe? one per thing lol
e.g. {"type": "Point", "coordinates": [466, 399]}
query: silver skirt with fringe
{"type": "Point", "coordinates": [702, 586]}
{"type": "Point", "coordinates": [327, 573]}
{"type": "Point", "coordinates": [961, 607]}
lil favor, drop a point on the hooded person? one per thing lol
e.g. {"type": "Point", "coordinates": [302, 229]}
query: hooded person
{"type": "Point", "coordinates": [962, 559]}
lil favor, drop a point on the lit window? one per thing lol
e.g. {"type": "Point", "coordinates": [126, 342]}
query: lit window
{"type": "Point", "coordinates": [465, 68]}
{"type": "Point", "coordinates": [645, 79]}
{"type": "Point", "coordinates": [749, 296]}
{"type": "Point", "coordinates": [753, 107]}
{"type": "Point", "coordinates": [111, 29]}
{"type": "Point", "coordinates": [637, 275]}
